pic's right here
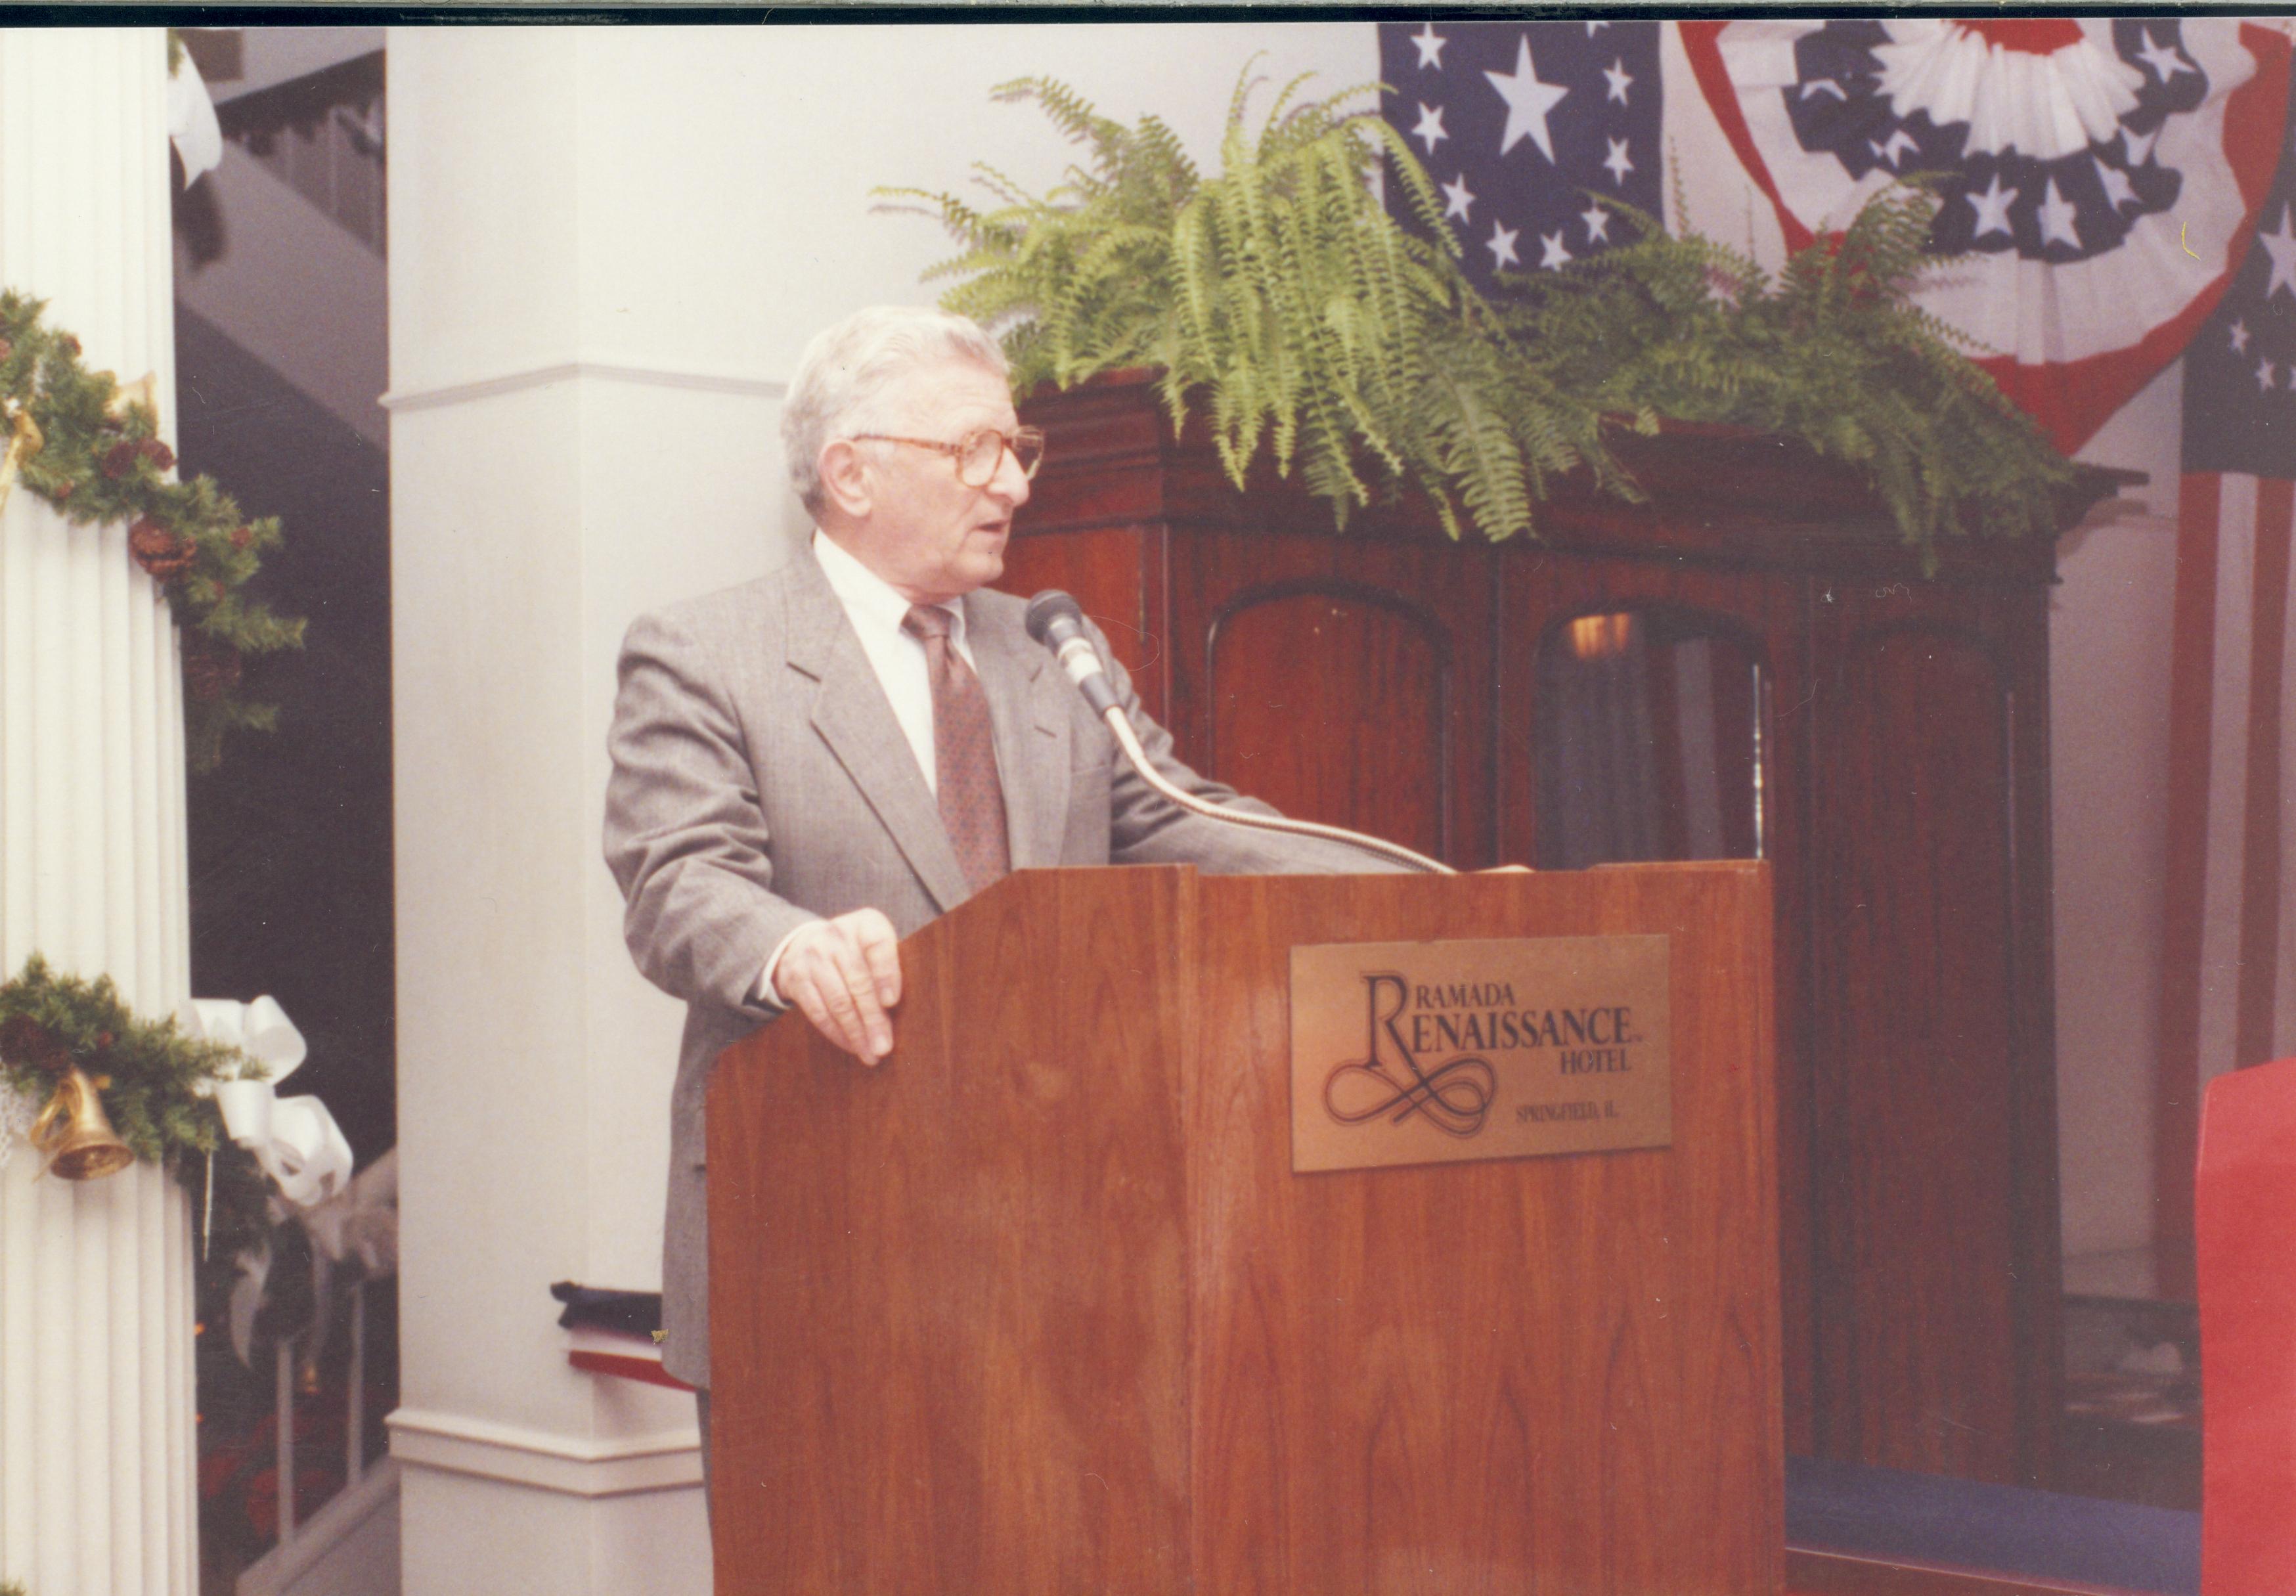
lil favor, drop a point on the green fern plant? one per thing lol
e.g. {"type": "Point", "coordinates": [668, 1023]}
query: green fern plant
{"type": "Point", "coordinates": [1280, 298]}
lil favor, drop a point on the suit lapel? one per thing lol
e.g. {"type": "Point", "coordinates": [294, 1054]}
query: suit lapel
{"type": "Point", "coordinates": [854, 718]}
{"type": "Point", "coordinates": [1029, 709]}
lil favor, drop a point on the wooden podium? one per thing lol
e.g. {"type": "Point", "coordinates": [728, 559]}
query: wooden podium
{"type": "Point", "coordinates": [1039, 1306]}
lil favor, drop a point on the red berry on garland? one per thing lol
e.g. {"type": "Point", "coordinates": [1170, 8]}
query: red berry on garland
{"type": "Point", "coordinates": [160, 551]}
{"type": "Point", "coordinates": [241, 538]}
{"type": "Point", "coordinates": [156, 452]}
{"type": "Point", "coordinates": [119, 459]}
{"type": "Point", "coordinates": [105, 1041]}
{"type": "Point", "coordinates": [63, 489]}
{"type": "Point", "coordinates": [24, 1040]}
{"type": "Point", "coordinates": [6, 348]}
{"type": "Point", "coordinates": [211, 670]}
{"type": "Point", "coordinates": [70, 345]}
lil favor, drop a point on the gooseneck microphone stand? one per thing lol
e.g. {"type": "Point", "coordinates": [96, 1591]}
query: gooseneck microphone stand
{"type": "Point", "coordinates": [1055, 621]}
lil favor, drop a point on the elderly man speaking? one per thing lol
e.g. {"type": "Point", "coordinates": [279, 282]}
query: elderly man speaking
{"type": "Point", "coordinates": [811, 765]}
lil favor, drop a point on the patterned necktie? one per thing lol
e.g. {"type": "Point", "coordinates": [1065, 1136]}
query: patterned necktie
{"type": "Point", "coordinates": [965, 753]}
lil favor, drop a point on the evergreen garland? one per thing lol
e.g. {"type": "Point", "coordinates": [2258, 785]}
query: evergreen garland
{"type": "Point", "coordinates": [1280, 295]}
{"type": "Point", "coordinates": [100, 460]}
{"type": "Point", "coordinates": [149, 1075]}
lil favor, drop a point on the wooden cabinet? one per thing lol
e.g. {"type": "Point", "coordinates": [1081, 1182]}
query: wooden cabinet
{"type": "Point", "coordinates": [1879, 733]}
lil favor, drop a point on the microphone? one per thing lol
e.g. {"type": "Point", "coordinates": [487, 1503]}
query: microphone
{"type": "Point", "coordinates": [1055, 621]}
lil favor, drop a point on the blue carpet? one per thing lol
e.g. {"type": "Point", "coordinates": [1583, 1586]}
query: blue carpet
{"type": "Point", "coordinates": [1926, 1518]}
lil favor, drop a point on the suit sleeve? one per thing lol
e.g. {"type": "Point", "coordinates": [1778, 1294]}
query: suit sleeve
{"type": "Point", "coordinates": [685, 835]}
{"type": "Point", "coordinates": [1147, 828]}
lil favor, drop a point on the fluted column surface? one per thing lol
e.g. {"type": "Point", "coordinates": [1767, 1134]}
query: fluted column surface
{"type": "Point", "coordinates": [96, 1447]}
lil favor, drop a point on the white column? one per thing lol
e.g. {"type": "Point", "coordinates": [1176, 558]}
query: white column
{"type": "Point", "coordinates": [96, 1450]}
{"type": "Point", "coordinates": [534, 1064]}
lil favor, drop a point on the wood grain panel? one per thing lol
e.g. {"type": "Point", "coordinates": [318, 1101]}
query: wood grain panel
{"type": "Point", "coordinates": [949, 1315]}
{"type": "Point", "coordinates": [1530, 1375]}
{"type": "Point", "coordinates": [1345, 680]}
{"type": "Point", "coordinates": [1337, 697]}
{"type": "Point", "coordinates": [1914, 1095]}
{"type": "Point", "coordinates": [1117, 574]}
{"type": "Point", "coordinates": [1544, 590]}
{"type": "Point", "coordinates": [1038, 1307]}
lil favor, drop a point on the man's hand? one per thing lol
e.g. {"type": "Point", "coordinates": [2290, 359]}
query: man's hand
{"type": "Point", "coordinates": [842, 975]}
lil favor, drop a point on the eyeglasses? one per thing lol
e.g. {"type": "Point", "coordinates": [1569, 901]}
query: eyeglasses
{"type": "Point", "coordinates": [977, 453]}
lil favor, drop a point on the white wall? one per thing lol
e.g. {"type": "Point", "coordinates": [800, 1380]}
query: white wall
{"type": "Point", "coordinates": [2109, 636]}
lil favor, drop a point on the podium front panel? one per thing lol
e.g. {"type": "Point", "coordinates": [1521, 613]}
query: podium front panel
{"type": "Point", "coordinates": [1041, 1306]}
{"type": "Point", "coordinates": [1555, 1374]}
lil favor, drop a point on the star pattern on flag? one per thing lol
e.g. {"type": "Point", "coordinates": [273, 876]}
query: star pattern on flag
{"type": "Point", "coordinates": [1429, 130]}
{"type": "Point", "coordinates": [2055, 208]}
{"type": "Point", "coordinates": [1520, 125]}
{"type": "Point", "coordinates": [1992, 208]}
{"type": "Point", "coordinates": [2058, 216]}
{"type": "Point", "coordinates": [2163, 58]}
{"type": "Point", "coordinates": [2240, 369]}
{"type": "Point", "coordinates": [2279, 247]}
{"type": "Point", "coordinates": [1527, 101]}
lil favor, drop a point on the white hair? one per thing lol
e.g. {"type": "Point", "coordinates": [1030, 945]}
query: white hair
{"type": "Point", "coordinates": [845, 374]}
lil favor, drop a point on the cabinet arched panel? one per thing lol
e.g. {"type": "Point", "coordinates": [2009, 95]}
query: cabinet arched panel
{"type": "Point", "coordinates": [1917, 1102]}
{"type": "Point", "coordinates": [1337, 696]}
{"type": "Point", "coordinates": [1649, 737]}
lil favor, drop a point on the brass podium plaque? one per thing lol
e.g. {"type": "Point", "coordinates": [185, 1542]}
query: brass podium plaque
{"type": "Point", "coordinates": [1430, 1052]}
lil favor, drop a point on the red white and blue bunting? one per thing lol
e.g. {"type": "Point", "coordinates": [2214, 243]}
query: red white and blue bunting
{"type": "Point", "coordinates": [2102, 177]}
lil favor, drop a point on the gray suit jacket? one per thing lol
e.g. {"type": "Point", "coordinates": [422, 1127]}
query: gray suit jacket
{"type": "Point", "coordinates": [761, 779]}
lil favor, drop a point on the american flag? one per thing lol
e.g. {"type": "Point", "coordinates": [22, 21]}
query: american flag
{"type": "Point", "coordinates": [1521, 124]}
{"type": "Point", "coordinates": [2229, 992]}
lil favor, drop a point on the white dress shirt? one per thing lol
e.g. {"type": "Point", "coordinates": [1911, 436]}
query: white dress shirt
{"type": "Point", "coordinates": [898, 659]}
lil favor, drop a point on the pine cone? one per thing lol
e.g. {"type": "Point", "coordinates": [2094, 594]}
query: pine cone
{"type": "Point", "coordinates": [210, 671]}
{"type": "Point", "coordinates": [24, 1040]}
{"type": "Point", "coordinates": [70, 345]}
{"type": "Point", "coordinates": [119, 459]}
{"type": "Point", "coordinates": [6, 348]}
{"type": "Point", "coordinates": [160, 551]}
{"type": "Point", "coordinates": [156, 452]}
{"type": "Point", "coordinates": [241, 538]}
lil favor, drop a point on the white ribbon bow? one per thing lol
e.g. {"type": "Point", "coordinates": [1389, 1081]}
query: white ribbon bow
{"type": "Point", "coordinates": [191, 122]}
{"type": "Point", "coordinates": [295, 1139]}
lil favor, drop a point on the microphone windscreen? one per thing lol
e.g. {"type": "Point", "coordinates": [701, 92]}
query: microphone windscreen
{"type": "Point", "coordinates": [1047, 610]}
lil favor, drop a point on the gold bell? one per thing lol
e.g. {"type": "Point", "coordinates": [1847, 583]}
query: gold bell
{"type": "Point", "coordinates": [75, 1134]}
